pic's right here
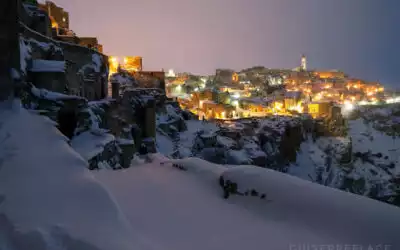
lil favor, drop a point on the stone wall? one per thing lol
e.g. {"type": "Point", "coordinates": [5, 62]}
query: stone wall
{"type": "Point", "coordinates": [86, 69]}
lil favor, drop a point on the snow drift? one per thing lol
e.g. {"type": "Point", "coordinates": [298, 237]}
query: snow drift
{"type": "Point", "coordinates": [342, 217]}
{"type": "Point", "coordinates": [48, 198]}
{"type": "Point", "coordinates": [185, 209]}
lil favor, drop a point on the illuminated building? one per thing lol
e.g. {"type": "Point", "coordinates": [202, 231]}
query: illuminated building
{"type": "Point", "coordinates": [133, 63]}
{"type": "Point", "coordinates": [330, 74]}
{"type": "Point", "coordinates": [113, 62]}
{"type": "Point", "coordinates": [292, 98]}
{"type": "Point", "coordinates": [277, 107]}
{"type": "Point", "coordinates": [303, 64]}
{"type": "Point", "coordinates": [171, 73]}
{"type": "Point", "coordinates": [235, 77]}
{"type": "Point", "coordinates": [317, 109]}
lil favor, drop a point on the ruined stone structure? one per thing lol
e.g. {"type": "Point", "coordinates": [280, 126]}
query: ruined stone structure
{"type": "Point", "coordinates": [86, 70]}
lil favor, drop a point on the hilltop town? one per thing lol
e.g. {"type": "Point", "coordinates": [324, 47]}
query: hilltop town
{"type": "Point", "coordinates": [110, 154]}
{"type": "Point", "coordinates": [260, 91]}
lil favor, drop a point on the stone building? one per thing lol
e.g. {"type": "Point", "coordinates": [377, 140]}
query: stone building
{"type": "Point", "coordinates": [133, 63]}
{"type": "Point", "coordinates": [91, 43]}
{"type": "Point", "coordinates": [317, 109]}
{"type": "Point", "coordinates": [59, 17]}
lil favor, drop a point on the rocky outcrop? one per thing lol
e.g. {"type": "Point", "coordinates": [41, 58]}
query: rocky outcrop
{"type": "Point", "coordinates": [101, 147]}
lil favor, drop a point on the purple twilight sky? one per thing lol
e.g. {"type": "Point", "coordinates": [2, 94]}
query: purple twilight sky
{"type": "Point", "coordinates": [359, 37]}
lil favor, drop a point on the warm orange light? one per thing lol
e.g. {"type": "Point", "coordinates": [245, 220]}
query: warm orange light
{"type": "Point", "coordinates": [235, 77]}
{"type": "Point", "coordinates": [278, 105]}
{"type": "Point", "coordinates": [54, 25]}
{"type": "Point", "coordinates": [114, 63]}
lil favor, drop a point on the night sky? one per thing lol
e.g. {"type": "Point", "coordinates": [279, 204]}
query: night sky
{"type": "Point", "coordinates": [360, 37]}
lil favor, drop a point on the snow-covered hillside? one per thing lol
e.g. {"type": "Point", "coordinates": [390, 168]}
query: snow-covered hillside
{"type": "Point", "coordinates": [49, 200]}
{"type": "Point", "coordinates": [375, 167]}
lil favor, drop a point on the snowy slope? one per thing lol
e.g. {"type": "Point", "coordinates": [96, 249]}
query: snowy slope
{"type": "Point", "coordinates": [48, 194]}
{"type": "Point", "coordinates": [179, 211]}
{"type": "Point", "coordinates": [185, 210]}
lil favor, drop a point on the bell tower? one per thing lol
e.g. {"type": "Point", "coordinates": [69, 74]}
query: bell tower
{"type": "Point", "coordinates": [303, 65]}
